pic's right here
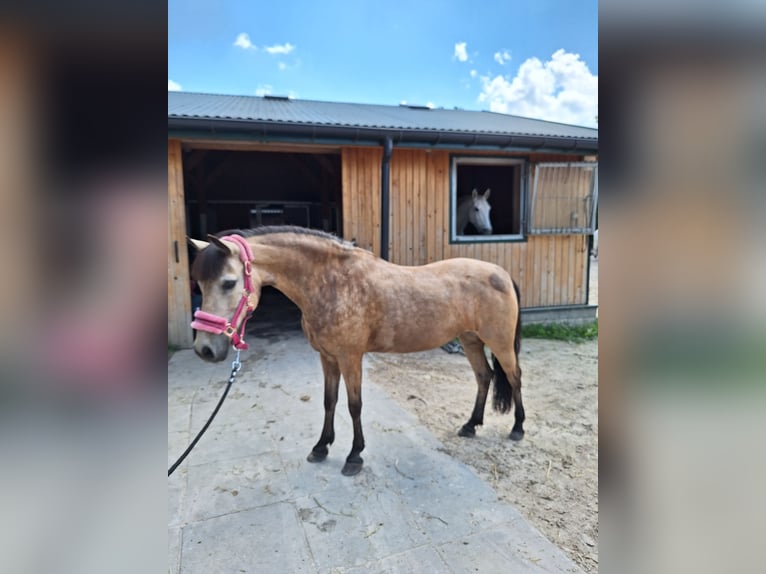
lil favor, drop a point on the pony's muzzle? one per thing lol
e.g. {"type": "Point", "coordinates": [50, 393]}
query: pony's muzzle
{"type": "Point", "coordinates": [206, 353]}
{"type": "Point", "coordinates": [211, 349]}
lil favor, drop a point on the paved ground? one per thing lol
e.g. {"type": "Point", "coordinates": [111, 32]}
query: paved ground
{"type": "Point", "coordinates": [246, 499]}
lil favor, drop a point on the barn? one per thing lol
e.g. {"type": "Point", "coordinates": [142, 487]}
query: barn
{"type": "Point", "coordinates": [390, 178]}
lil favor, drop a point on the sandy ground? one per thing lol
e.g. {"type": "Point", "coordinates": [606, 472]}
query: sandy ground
{"type": "Point", "coordinates": [551, 476]}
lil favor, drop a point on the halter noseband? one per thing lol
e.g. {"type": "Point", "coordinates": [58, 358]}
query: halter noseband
{"type": "Point", "coordinates": [219, 325]}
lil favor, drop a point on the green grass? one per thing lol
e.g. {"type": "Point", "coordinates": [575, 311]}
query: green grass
{"type": "Point", "coordinates": [561, 332]}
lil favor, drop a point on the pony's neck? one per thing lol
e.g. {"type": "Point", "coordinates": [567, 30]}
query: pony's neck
{"type": "Point", "coordinates": [292, 265]}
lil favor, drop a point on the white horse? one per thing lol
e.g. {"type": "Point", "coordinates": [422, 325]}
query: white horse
{"type": "Point", "coordinates": [474, 210]}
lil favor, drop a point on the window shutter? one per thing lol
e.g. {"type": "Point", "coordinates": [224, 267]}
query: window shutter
{"type": "Point", "coordinates": [564, 198]}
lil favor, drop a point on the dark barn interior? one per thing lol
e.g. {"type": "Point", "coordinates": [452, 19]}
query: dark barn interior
{"type": "Point", "coordinates": [242, 189]}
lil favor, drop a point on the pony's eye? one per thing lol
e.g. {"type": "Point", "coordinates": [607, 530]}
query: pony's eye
{"type": "Point", "coordinates": [476, 209]}
{"type": "Point", "coordinates": [229, 284]}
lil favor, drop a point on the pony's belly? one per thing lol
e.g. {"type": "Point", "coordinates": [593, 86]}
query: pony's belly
{"type": "Point", "coordinates": [413, 342]}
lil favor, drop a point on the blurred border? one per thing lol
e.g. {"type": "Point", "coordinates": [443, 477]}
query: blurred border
{"type": "Point", "coordinates": [83, 225]}
{"type": "Point", "coordinates": [682, 331]}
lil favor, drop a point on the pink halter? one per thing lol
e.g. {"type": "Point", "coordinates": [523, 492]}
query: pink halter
{"type": "Point", "coordinates": [218, 325]}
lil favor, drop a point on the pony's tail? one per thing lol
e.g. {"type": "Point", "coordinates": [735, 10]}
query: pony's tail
{"type": "Point", "coordinates": [502, 397]}
{"type": "Point", "coordinates": [517, 335]}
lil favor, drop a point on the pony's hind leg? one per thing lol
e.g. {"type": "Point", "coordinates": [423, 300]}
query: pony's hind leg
{"type": "Point", "coordinates": [331, 381]}
{"type": "Point", "coordinates": [508, 388]}
{"type": "Point", "coordinates": [474, 352]}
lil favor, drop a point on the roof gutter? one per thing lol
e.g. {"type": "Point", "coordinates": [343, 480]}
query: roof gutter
{"type": "Point", "coordinates": [354, 135]}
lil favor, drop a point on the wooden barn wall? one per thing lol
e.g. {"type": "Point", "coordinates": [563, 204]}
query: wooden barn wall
{"type": "Point", "coordinates": [361, 196]}
{"type": "Point", "coordinates": [550, 269]}
{"type": "Point", "coordinates": [179, 297]}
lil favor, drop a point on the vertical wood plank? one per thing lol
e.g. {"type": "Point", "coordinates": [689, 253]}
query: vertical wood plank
{"type": "Point", "coordinates": [346, 167]}
{"type": "Point", "coordinates": [543, 269]}
{"type": "Point", "coordinates": [422, 206]}
{"type": "Point", "coordinates": [410, 206]}
{"type": "Point", "coordinates": [429, 199]}
{"type": "Point", "coordinates": [442, 205]}
{"type": "Point", "coordinates": [535, 271]}
{"type": "Point", "coordinates": [550, 268]}
{"type": "Point", "coordinates": [572, 265]}
{"type": "Point", "coordinates": [400, 233]}
{"type": "Point", "coordinates": [179, 294]}
{"type": "Point", "coordinates": [365, 220]}
{"type": "Point", "coordinates": [582, 262]}
{"type": "Point", "coordinates": [377, 159]}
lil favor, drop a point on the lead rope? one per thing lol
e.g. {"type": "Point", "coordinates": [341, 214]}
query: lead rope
{"type": "Point", "coordinates": [235, 367]}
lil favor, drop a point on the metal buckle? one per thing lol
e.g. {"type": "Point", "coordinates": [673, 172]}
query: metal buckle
{"type": "Point", "coordinates": [248, 268]}
{"type": "Point", "coordinates": [229, 331]}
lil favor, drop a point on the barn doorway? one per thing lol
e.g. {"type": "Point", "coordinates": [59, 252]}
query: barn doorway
{"type": "Point", "coordinates": [239, 189]}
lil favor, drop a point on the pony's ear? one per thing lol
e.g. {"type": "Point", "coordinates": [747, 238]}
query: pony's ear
{"type": "Point", "coordinates": [475, 194]}
{"type": "Point", "coordinates": [219, 244]}
{"type": "Point", "coordinates": [486, 193]}
{"type": "Point", "coordinates": [197, 244]}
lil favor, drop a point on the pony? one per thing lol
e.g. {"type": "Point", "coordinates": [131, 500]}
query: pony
{"type": "Point", "coordinates": [475, 210]}
{"type": "Point", "coordinates": [353, 302]}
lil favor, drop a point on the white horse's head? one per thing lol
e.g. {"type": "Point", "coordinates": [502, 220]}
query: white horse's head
{"type": "Point", "coordinates": [478, 214]}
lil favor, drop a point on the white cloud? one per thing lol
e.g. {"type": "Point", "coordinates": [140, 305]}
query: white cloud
{"type": "Point", "coordinates": [282, 66]}
{"type": "Point", "coordinates": [174, 86]}
{"type": "Point", "coordinates": [280, 48]}
{"type": "Point", "coordinates": [243, 41]}
{"type": "Point", "coordinates": [562, 89]}
{"type": "Point", "coordinates": [263, 90]}
{"type": "Point", "coordinates": [403, 103]}
{"type": "Point", "coordinates": [460, 51]}
{"type": "Point", "coordinates": [430, 105]}
{"type": "Point", "coordinates": [502, 57]}
{"type": "Point", "coordinates": [473, 73]}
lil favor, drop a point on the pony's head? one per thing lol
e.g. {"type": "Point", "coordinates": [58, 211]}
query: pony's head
{"type": "Point", "coordinates": [220, 272]}
{"type": "Point", "coordinates": [478, 214]}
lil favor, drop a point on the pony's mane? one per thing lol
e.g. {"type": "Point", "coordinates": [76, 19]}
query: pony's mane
{"type": "Point", "coordinates": [272, 229]}
{"type": "Point", "coordinates": [210, 261]}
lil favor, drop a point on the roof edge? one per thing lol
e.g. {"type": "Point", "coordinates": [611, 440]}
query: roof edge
{"type": "Point", "coordinates": [265, 130]}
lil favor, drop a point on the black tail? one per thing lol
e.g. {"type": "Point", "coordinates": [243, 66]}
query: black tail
{"type": "Point", "coordinates": [517, 336]}
{"type": "Point", "coordinates": [502, 397]}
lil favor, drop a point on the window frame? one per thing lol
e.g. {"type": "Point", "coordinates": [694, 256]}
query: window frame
{"type": "Point", "coordinates": [455, 162]}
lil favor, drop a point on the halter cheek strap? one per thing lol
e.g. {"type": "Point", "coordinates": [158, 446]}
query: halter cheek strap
{"type": "Point", "coordinates": [217, 325]}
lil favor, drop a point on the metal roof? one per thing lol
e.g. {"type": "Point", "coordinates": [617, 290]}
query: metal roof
{"type": "Point", "coordinates": [187, 109]}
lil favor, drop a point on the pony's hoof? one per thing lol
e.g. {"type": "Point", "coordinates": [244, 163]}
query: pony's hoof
{"type": "Point", "coordinates": [467, 431]}
{"type": "Point", "coordinates": [516, 435]}
{"type": "Point", "coordinates": [316, 456]}
{"type": "Point", "coordinates": [351, 468]}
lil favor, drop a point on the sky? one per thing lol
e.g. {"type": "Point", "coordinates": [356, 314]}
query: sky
{"type": "Point", "coordinates": [533, 58]}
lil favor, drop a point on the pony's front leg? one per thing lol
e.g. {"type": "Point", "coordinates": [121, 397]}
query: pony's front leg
{"type": "Point", "coordinates": [331, 380]}
{"type": "Point", "coordinates": [351, 367]}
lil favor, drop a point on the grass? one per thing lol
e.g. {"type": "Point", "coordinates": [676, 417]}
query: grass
{"type": "Point", "coordinates": [561, 332]}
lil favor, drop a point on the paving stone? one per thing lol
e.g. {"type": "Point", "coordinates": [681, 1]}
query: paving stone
{"type": "Point", "coordinates": [264, 540]}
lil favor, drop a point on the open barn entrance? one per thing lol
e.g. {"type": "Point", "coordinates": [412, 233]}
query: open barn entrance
{"type": "Point", "coordinates": [240, 189]}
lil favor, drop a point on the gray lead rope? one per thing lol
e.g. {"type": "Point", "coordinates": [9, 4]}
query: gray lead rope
{"type": "Point", "coordinates": [235, 367]}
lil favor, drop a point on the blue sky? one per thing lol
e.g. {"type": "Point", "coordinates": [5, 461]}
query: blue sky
{"type": "Point", "coordinates": [537, 58]}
